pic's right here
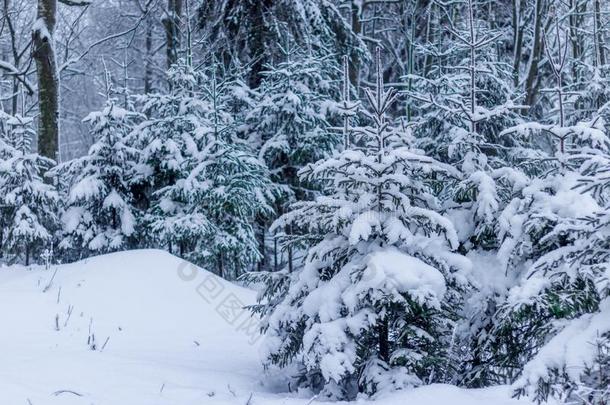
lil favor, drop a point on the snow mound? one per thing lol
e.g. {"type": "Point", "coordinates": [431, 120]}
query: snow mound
{"type": "Point", "coordinates": [139, 327]}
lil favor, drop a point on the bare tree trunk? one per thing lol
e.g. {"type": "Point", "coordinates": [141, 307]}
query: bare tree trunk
{"type": "Point", "coordinates": [473, 67]}
{"type": "Point", "coordinates": [16, 56]}
{"type": "Point", "coordinates": [48, 79]}
{"type": "Point", "coordinates": [575, 36]}
{"type": "Point", "coordinates": [354, 71]}
{"type": "Point", "coordinates": [428, 56]}
{"type": "Point", "coordinates": [149, 56]}
{"type": "Point", "coordinates": [262, 261]}
{"type": "Point", "coordinates": [599, 38]}
{"type": "Point", "coordinates": [517, 40]}
{"type": "Point", "coordinates": [172, 30]}
{"type": "Point", "coordinates": [220, 266]}
{"type": "Point", "coordinates": [258, 40]}
{"type": "Point", "coordinates": [275, 258]}
{"type": "Point", "coordinates": [531, 87]}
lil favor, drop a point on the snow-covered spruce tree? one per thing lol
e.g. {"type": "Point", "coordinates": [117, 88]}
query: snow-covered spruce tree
{"type": "Point", "coordinates": [537, 221]}
{"type": "Point", "coordinates": [462, 108]}
{"type": "Point", "coordinates": [289, 122]}
{"type": "Point", "coordinates": [277, 280]}
{"type": "Point", "coordinates": [6, 151]}
{"type": "Point", "coordinates": [568, 287]}
{"type": "Point", "coordinates": [28, 204]}
{"type": "Point", "coordinates": [369, 311]}
{"type": "Point", "coordinates": [211, 212]}
{"type": "Point", "coordinates": [100, 215]}
{"type": "Point", "coordinates": [541, 220]}
{"type": "Point", "coordinates": [166, 141]}
{"type": "Point", "coordinates": [253, 32]}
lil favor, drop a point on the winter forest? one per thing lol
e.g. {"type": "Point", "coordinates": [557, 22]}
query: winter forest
{"type": "Point", "coordinates": [407, 196]}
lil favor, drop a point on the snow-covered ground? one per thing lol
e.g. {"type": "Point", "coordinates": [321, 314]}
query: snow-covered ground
{"type": "Point", "coordinates": [146, 328]}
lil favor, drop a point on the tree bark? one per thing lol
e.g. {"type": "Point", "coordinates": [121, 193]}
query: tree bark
{"type": "Point", "coordinates": [356, 23]}
{"type": "Point", "coordinates": [531, 87]}
{"type": "Point", "coordinates": [384, 340]}
{"type": "Point", "coordinates": [258, 39]}
{"type": "Point", "coordinates": [599, 38]}
{"type": "Point", "coordinates": [48, 79]}
{"type": "Point", "coordinates": [172, 30]}
{"type": "Point", "coordinates": [517, 40]}
{"type": "Point", "coordinates": [16, 55]}
{"type": "Point", "coordinates": [575, 37]}
{"type": "Point", "coordinates": [149, 56]}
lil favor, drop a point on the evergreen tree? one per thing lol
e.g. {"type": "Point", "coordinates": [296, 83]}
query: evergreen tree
{"type": "Point", "coordinates": [211, 212]}
{"type": "Point", "coordinates": [369, 311]}
{"type": "Point", "coordinates": [289, 122]}
{"type": "Point", "coordinates": [100, 215]}
{"type": "Point", "coordinates": [29, 204]}
{"type": "Point", "coordinates": [462, 108]}
{"type": "Point", "coordinates": [535, 225]}
{"type": "Point", "coordinates": [252, 30]}
{"type": "Point", "coordinates": [288, 125]}
{"type": "Point", "coordinates": [568, 287]}
{"type": "Point", "coordinates": [167, 141]}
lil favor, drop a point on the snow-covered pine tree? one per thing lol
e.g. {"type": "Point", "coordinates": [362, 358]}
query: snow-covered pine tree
{"type": "Point", "coordinates": [368, 311]}
{"type": "Point", "coordinates": [166, 141]}
{"type": "Point", "coordinates": [211, 212]}
{"type": "Point", "coordinates": [543, 220]}
{"type": "Point", "coordinates": [570, 286]}
{"type": "Point", "coordinates": [462, 108]}
{"type": "Point", "coordinates": [254, 32]}
{"type": "Point", "coordinates": [29, 205]}
{"type": "Point", "coordinates": [289, 122]}
{"type": "Point", "coordinates": [5, 153]}
{"type": "Point", "coordinates": [100, 215]}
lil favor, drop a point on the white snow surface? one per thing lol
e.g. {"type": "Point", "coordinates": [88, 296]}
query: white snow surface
{"type": "Point", "coordinates": [164, 332]}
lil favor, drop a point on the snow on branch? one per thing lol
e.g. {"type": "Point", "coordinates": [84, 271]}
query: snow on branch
{"type": "Point", "coordinates": [13, 71]}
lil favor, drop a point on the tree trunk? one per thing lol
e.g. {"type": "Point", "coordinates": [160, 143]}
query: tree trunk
{"type": "Point", "coordinates": [48, 79]}
{"type": "Point", "coordinates": [275, 258]}
{"type": "Point", "coordinates": [531, 87]}
{"type": "Point", "coordinates": [149, 57]}
{"type": "Point", "coordinates": [221, 270]}
{"type": "Point", "coordinates": [517, 40]}
{"type": "Point", "coordinates": [384, 340]}
{"type": "Point", "coordinates": [575, 37]}
{"type": "Point", "coordinates": [599, 38]}
{"type": "Point", "coordinates": [354, 68]}
{"type": "Point", "coordinates": [16, 56]}
{"type": "Point", "coordinates": [262, 261]}
{"type": "Point", "coordinates": [172, 30]}
{"type": "Point", "coordinates": [257, 41]}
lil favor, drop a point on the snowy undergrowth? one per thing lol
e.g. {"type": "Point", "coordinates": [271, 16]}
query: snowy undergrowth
{"type": "Point", "coordinates": [146, 328]}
